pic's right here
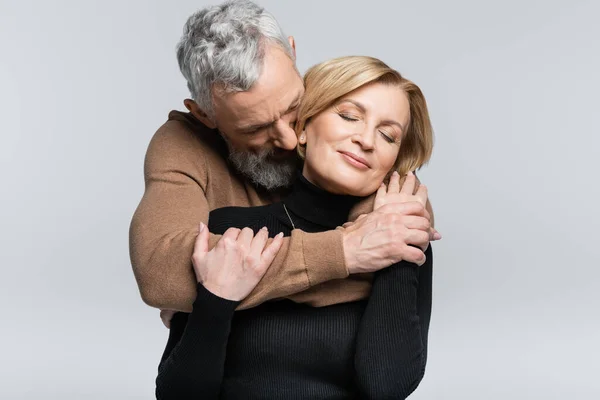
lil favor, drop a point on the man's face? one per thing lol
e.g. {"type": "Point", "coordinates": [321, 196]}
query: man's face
{"type": "Point", "coordinates": [258, 125]}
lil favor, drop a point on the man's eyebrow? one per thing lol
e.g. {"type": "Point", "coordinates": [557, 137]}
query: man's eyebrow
{"type": "Point", "coordinates": [256, 127]}
{"type": "Point", "coordinates": [364, 110]}
{"type": "Point", "coordinates": [294, 104]}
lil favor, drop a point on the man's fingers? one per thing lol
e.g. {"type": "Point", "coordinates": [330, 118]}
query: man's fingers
{"type": "Point", "coordinates": [417, 222]}
{"type": "Point", "coordinates": [434, 234]}
{"type": "Point", "coordinates": [408, 187]}
{"type": "Point", "coordinates": [417, 237]}
{"type": "Point", "coordinates": [414, 255]}
{"type": "Point", "coordinates": [201, 244]}
{"type": "Point", "coordinates": [394, 186]}
{"type": "Point", "coordinates": [408, 208]}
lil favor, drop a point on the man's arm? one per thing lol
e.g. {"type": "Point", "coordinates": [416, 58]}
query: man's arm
{"type": "Point", "coordinates": [164, 228]}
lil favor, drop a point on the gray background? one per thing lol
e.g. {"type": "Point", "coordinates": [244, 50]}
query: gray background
{"type": "Point", "coordinates": [513, 91]}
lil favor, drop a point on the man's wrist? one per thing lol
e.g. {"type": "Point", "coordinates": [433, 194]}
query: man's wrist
{"type": "Point", "coordinates": [324, 256]}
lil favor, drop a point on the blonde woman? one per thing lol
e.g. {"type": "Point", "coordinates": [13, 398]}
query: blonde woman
{"type": "Point", "coordinates": [360, 124]}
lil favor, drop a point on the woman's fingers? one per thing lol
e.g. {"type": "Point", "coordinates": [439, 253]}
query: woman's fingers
{"type": "Point", "coordinates": [270, 252]}
{"type": "Point", "coordinates": [380, 196]}
{"type": "Point", "coordinates": [201, 243]}
{"type": "Point", "coordinates": [245, 239]}
{"type": "Point", "coordinates": [394, 186]}
{"type": "Point", "coordinates": [408, 187]}
{"type": "Point", "coordinates": [422, 194]}
{"type": "Point", "coordinates": [258, 243]}
{"type": "Point", "coordinates": [231, 233]}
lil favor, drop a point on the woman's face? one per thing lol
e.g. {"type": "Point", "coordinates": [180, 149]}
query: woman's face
{"type": "Point", "coordinates": [352, 145]}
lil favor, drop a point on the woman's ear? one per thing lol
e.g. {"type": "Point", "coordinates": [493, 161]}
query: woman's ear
{"type": "Point", "coordinates": [302, 138]}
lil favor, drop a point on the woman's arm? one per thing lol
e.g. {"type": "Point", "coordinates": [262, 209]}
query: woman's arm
{"type": "Point", "coordinates": [391, 347]}
{"type": "Point", "coordinates": [193, 368]}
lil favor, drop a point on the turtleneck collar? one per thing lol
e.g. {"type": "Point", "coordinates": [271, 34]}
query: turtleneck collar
{"type": "Point", "coordinates": [309, 202]}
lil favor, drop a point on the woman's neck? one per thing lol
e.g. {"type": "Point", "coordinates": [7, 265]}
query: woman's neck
{"type": "Point", "coordinates": [314, 204]}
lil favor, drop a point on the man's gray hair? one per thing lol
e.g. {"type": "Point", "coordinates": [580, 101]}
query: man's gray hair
{"type": "Point", "coordinates": [225, 45]}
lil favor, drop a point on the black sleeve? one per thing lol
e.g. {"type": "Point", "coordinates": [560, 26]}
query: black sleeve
{"type": "Point", "coordinates": [192, 368]}
{"type": "Point", "coordinates": [391, 347]}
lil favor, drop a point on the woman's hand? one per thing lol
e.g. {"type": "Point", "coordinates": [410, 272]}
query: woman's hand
{"type": "Point", "coordinates": [233, 268]}
{"type": "Point", "coordinates": [394, 194]}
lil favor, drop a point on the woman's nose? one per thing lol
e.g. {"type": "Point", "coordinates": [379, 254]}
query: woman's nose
{"type": "Point", "coordinates": [365, 138]}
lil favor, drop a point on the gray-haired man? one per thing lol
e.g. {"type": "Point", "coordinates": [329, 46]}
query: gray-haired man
{"type": "Point", "coordinates": [236, 147]}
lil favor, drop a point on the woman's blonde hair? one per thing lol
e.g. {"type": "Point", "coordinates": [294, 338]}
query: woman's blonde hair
{"type": "Point", "coordinates": [329, 81]}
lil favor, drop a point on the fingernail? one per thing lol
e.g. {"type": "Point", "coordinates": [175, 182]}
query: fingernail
{"type": "Point", "coordinates": [264, 228]}
{"type": "Point", "coordinates": [410, 173]}
{"type": "Point", "coordinates": [280, 234]}
{"type": "Point", "coordinates": [437, 236]}
{"type": "Point", "coordinates": [395, 173]}
{"type": "Point", "coordinates": [201, 226]}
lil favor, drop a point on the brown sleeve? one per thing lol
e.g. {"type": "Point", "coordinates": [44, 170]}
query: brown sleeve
{"type": "Point", "coordinates": [305, 260]}
{"type": "Point", "coordinates": [165, 225]}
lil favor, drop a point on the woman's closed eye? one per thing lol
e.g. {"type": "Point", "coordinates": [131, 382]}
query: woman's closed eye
{"type": "Point", "coordinates": [351, 118]}
{"type": "Point", "coordinates": [388, 138]}
{"type": "Point", "coordinates": [348, 117]}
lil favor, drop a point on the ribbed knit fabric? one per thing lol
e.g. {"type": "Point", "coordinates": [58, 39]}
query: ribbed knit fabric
{"type": "Point", "coordinates": [373, 349]}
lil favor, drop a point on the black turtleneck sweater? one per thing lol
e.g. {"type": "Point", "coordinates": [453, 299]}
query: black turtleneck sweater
{"type": "Point", "coordinates": [373, 349]}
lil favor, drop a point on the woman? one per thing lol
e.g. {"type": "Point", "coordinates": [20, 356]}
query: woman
{"type": "Point", "coordinates": [360, 122]}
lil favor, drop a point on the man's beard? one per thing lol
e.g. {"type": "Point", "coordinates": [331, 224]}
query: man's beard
{"type": "Point", "coordinates": [263, 169]}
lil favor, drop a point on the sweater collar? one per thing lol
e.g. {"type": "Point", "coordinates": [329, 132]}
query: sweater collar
{"type": "Point", "coordinates": [318, 206]}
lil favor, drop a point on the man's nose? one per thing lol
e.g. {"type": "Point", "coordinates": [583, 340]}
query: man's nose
{"type": "Point", "coordinates": [284, 135]}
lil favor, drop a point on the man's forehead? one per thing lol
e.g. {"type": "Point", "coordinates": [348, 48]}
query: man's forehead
{"type": "Point", "coordinates": [250, 108]}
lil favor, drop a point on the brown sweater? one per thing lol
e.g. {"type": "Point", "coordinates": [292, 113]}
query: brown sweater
{"type": "Point", "coordinates": [186, 177]}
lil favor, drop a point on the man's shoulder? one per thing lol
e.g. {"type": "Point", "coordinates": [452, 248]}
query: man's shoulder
{"type": "Point", "coordinates": [185, 146]}
{"type": "Point", "coordinates": [184, 134]}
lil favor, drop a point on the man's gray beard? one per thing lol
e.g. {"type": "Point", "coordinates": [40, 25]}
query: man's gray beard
{"type": "Point", "coordinates": [262, 169]}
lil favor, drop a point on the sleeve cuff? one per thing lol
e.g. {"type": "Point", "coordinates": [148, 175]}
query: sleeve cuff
{"type": "Point", "coordinates": [324, 256]}
{"type": "Point", "coordinates": [215, 305]}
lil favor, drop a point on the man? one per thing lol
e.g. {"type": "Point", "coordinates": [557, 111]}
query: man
{"type": "Point", "coordinates": [236, 147]}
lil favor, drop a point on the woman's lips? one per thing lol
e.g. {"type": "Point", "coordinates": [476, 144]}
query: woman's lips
{"type": "Point", "coordinates": [355, 160]}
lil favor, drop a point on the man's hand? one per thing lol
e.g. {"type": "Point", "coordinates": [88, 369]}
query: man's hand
{"type": "Point", "coordinates": [394, 194]}
{"type": "Point", "coordinates": [384, 237]}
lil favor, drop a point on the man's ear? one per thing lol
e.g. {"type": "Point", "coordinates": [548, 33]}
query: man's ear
{"type": "Point", "coordinates": [293, 44]}
{"type": "Point", "coordinates": [193, 108]}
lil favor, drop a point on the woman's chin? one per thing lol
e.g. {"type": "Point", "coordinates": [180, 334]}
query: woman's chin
{"type": "Point", "coordinates": [350, 188]}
